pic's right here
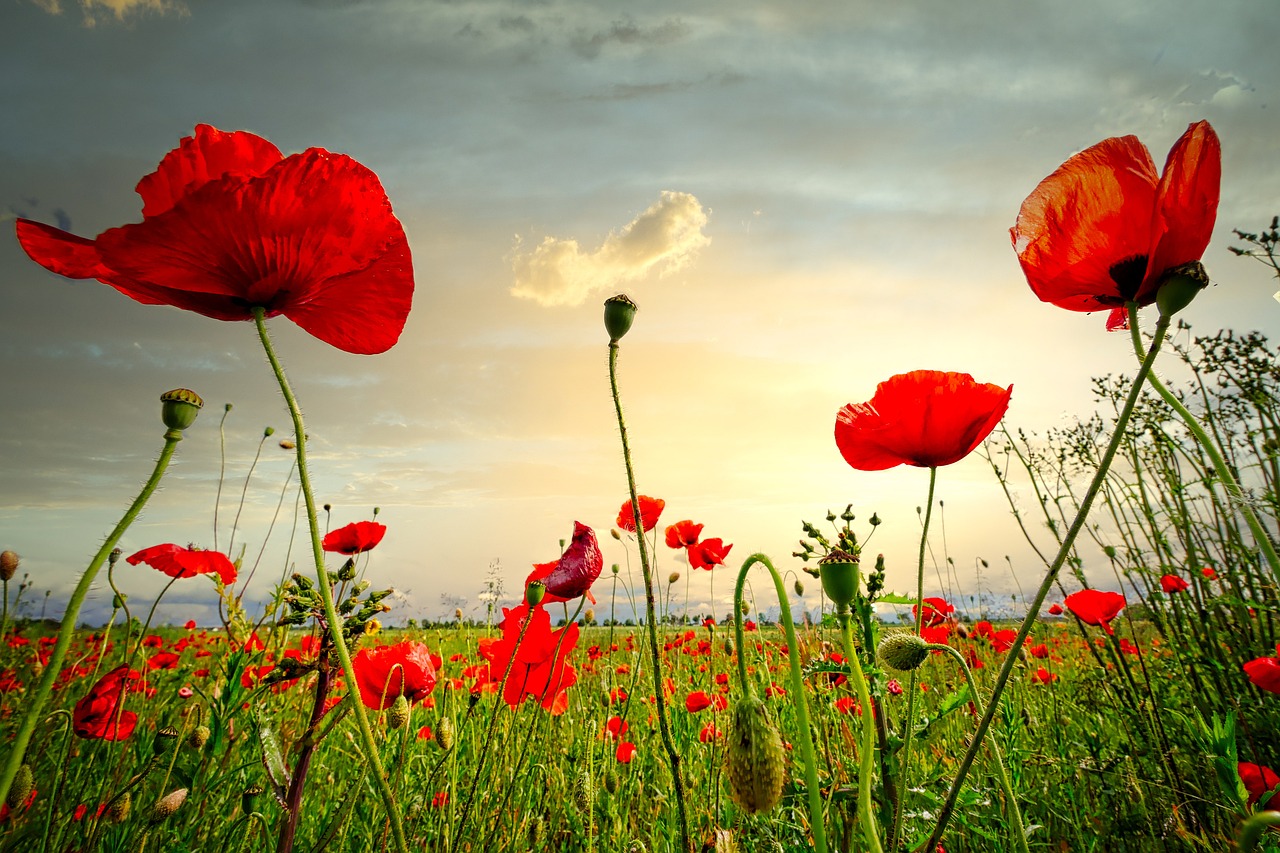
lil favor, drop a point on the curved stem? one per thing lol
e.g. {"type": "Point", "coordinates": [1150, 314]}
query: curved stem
{"type": "Point", "coordinates": [35, 703]}
{"type": "Point", "coordinates": [867, 752]}
{"type": "Point", "coordinates": [673, 757]}
{"type": "Point", "coordinates": [797, 688]}
{"type": "Point", "coordinates": [1033, 610]}
{"type": "Point", "coordinates": [326, 594]}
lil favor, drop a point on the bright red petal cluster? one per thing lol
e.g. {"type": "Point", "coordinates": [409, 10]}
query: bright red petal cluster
{"type": "Point", "coordinates": [229, 225]}
{"type": "Point", "coordinates": [540, 668]}
{"type": "Point", "coordinates": [178, 562]}
{"type": "Point", "coordinates": [1265, 672]}
{"type": "Point", "coordinates": [682, 534]}
{"type": "Point", "coordinates": [98, 715]}
{"type": "Point", "coordinates": [355, 538]}
{"type": "Point", "coordinates": [936, 611]}
{"type": "Point", "coordinates": [708, 554]}
{"type": "Point", "coordinates": [1095, 606]}
{"type": "Point", "coordinates": [650, 510]}
{"type": "Point", "coordinates": [1105, 229]}
{"type": "Point", "coordinates": [924, 418]}
{"type": "Point", "coordinates": [383, 673]}
{"type": "Point", "coordinates": [1258, 780]}
{"type": "Point", "coordinates": [576, 570]}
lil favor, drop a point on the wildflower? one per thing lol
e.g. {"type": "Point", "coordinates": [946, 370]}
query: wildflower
{"type": "Point", "coordinates": [99, 715]}
{"type": "Point", "coordinates": [1172, 583]}
{"type": "Point", "coordinates": [625, 752]}
{"type": "Point", "coordinates": [682, 534]}
{"type": "Point", "coordinates": [1043, 676]}
{"type": "Point", "coordinates": [539, 669]}
{"type": "Point", "coordinates": [616, 727]}
{"type": "Point", "coordinates": [1055, 610]}
{"type": "Point", "coordinates": [1258, 780]}
{"type": "Point", "coordinates": [1209, 574]}
{"type": "Point", "coordinates": [425, 733]}
{"type": "Point", "coordinates": [709, 733]}
{"type": "Point", "coordinates": [894, 687]}
{"type": "Point", "coordinates": [650, 510]}
{"type": "Point", "coordinates": [697, 701]}
{"type": "Point", "coordinates": [936, 611]}
{"type": "Point", "coordinates": [577, 569]}
{"type": "Point", "coordinates": [1104, 230]}
{"type": "Point", "coordinates": [178, 562]}
{"type": "Point", "coordinates": [387, 672]}
{"type": "Point", "coordinates": [924, 418]}
{"type": "Point", "coordinates": [1265, 672]}
{"type": "Point", "coordinates": [230, 225]}
{"type": "Point", "coordinates": [185, 692]}
{"type": "Point", "coordinates": [191, 625]}
{"type": "Point", "coordinates": [1096, 607]}
{"type": "Point", "coordinates": [708, 554]}
{"type": "Point", "coordinates": [355, 538]}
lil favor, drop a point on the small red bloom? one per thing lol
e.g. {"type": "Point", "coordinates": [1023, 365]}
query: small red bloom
{"type": "Point", "coordinates": [924, 418]}
{"type": "Point", "coordinates": [163, 660]}
{"type": "Point", "coordinates": [1104, 229]}
{"type": "Point", "coordinates": [1209, 574]}
{"type": "Point", "coordinates": [1055, 610]}
{"type": "Point", "coordinates": [1095, 607]}
{"type": "Point", "coordinates": [1039, 651]}
{"type": "Point", "coordinates": [1265, 672]}
{"type": "Point", "coordinates": [425, 733]}
{"type": "Point", "coordinates": [1258, 780]}
{"type": "Point", "coordinates": [229, 225]}
{"type": "Point", "coordinates": [682, 534]}
{"type": "Point", "coordinates": [98, 715]}
{"type": "Point", "coordinates": [191, 625]}
{"type": "Point", "coordinates": [845, 704]}
{"type": "Point", "coordinates": [709, 733]}
{"type": "Point", "coordinates": [577, 569]}
{"type": "Point", "coordinates": [355, 538]}
{"type": "Point", "coordinates": [936, 611]}
{"type": "Point", "coordinates": [697, 701]}
{"type": "Point", "coordinates": [650, 509]}
{"type": "Point", "coordinates": [1043, 676]}
{"type": "Point", "coordinates": [708, 554]}
{"type": "Point", "coordinates": [616, 727]}
{"type": "Point", "coordinates": [178, 562]}
{"type": "Point", "coordinates": [383, 673]}
{"type": "Point", "coordinates": [1173, 583]}
{"type": "Point", "coordinates": [894, 687]}
{"type": "Point", "coordinates": [625, 752]}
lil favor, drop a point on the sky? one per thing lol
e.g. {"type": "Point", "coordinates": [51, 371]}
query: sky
{"type": "Point", "coordinates": [804, 198]}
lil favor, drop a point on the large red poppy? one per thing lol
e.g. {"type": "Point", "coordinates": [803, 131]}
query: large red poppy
{"type": "Point", "coordinates": [682, 534]}
{"type": "Point", "coordinates": [650, 510]}
{"type": "Point", "coordinates": [1265, 672]}
{"type": "Point", "coordinates": [577, 569]}
{"type": "Point", "coordinates": [925, 418]}
{"type": "Point", "coordinates": [1105, 229]}
{"type": "Point", "coordinates": [355, 538]}
{"type": "Point", "coordinates": [98, 715]}
{"type": "Point", "coordinates": [178, 562]}
{"type": "Point", "coordinates": [229, 225]}
{"type": "Point", "coordinates": [1095, 606]}
{"type": "Point", "coordinates": [540, 669]}
{"type": "Point", "coordinates": [383, 673]}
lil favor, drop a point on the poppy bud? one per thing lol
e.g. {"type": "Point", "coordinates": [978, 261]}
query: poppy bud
{"type": "Point", "coordinates": [167, 805]}
{"type": "Point", "coordinates": [198, 738]}
{"type": "Point", "coordinates": [534, 592]}
{"type": "Point", "coordinates": [535, 833]}
{"type": "Point", "coordinates": [398, 715]}
{"type": "Point", "coordinates": [268, 432]}
{"type": "Point", "coordinates": [119, 809]}
{"type": "Point", "coordinates": [1110, 551]}
{"type": "Point", "coordinates": [611, 781]}
{"type": "Point", "coordinates": [589, 616]}
{"type": "Point", "coordinates": [613, 531]}
{"type": "Point", "coordinates": [799, 587]}
{"type": "Point", "coordinates": [584, 791]}
{"type": "Point", "coordinates": [457, 614]}
{"type": "Point", "coordinates": [178, 408]}
{"type": "Point", "coordinates": [247, 798]}
{"type": "Point", "coordinates": [619, 314]}
{"type": "Point", "coordinates": [745, 607]}
{"type": "Point", "coordinates": [20, 789]}
{"type": "Point", "coordinates": [673, 577]}
{"type": "Point", "coordinates": [615, 568]}
{"type": "Point", "coordinates": [8, 565]}
{"type": "Point", "coordinates": [444, 733]}
{"type": "Point", "coordinates": [839, 573]}
{"type": "Point", "coordinates": [728, 646]}
{"type": "Point", "coordinates": [1181, 284]}
{"type": "Point", "coordinates": [903, 652]}
{"type": "Point", "coordinates": [755, 765]}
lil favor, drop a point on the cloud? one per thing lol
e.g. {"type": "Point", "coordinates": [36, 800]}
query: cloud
{"type": "Point", "coordinates": [628, 32]}
{"type": "Point", "coordinates": [664, 238]}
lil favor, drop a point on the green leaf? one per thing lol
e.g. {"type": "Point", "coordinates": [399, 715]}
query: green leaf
{"type": "Point", "coordinates": [272, 759]}
{"type": "Point", "coordinates": [895, 598]}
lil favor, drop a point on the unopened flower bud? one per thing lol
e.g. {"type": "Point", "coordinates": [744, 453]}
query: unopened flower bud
{"type": "Point", "coordinates": [611, 781]}
{"type": "Point", "coordinates": [619, 314]}
{"type": "Point", "coordinates": [673, 577]}
{"type": "Point", "coordinates": [20, 789]}
{"type": "Point", "coordinates": [755, 764]}
{"type": "Point", "coordinates": [198, 738]}
{"type": "Point", "coordinates": [8, 564]}
{"type": "Point", "coordinates": [615, 568]}
{"type": "Point", "coordinates": [119, 808]}
{"type": "Point", "coordinates": [534, 834]}
{"type": "Point", "coordinates": [398, 715]}
{"type": "Point", "coordinates": [903, 652]}
{"type": "Point", "coordinates": [445, 733]}
{"type": "Point", "coordinates": [348, 570]}
{"type": "Point", "coordinates": [457, 614]}
{"type": "Point", "coordinates": [268, 432]}
{"type": "Point", "coordinates": [728, 646]}
{"type": "Point", "coordinates": [584, 791]}
{"type": "Point", "coordinates": [589, 616]}
{"type": "Point", "coordinates": [287, 444]}
{"type": "Point", "coordinates": [799, 587]}
{"type": "Point", "coordinates": [179, 407]}
{"type": "Point", "coordinates": [167, 805]}
{"type": "Point", "coordinates": [613, 531]}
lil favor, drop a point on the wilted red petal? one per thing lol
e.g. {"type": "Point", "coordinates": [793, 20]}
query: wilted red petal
{"type": "Point", "coordinates": [1186, 203]}
{"type": "Point", "coordinates": [577, 569]}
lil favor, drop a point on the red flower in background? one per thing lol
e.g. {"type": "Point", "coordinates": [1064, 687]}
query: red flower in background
{"type": "Point", "coordinates": [539, 669]}
{"type": "Point", "coordinates": [1258, 780]}
{"type": "Point", "coordinates": [625, 752]}
{"type": "Point", "coordinates": [1173, 583]}
{"type": "Point", "coordinates": [1043, 676]}
{"type": "Point", "coordinates": [178, 562]}
{"type": "Point", "coordinates": [98, 715]}
{"type": "Point", "coordinates": [650, 509]}
{"type": "Point", "coordinates": [1265, 672]}
{"type": "Point", "coordinates": [697, 701]}
{"type": "Point", "coordinates": [1209, 574]}
{"type": "Point", "coordinates": [708, 554]}
{"type": "Point", "coordinates": [229, 225]}
{"type": "Point", "coordinates": [355, 538]}
{"type": "Point", "coordinates": [383, 673]}
{"type": "Point", "coordinates": [936, 611]}
{"type": "Point", "coordinates": [1055, 610]}
{"type": "Point", "coordinates": [1104, 229]}
{"type": "Point", "coordinates": [924, 418]}
{"type": "Point", "coordinates": [1095, 607]}
{"type": "Point", "coordinates": [682, 534]}
{"type": "Point", "coordinates": [576, 570]}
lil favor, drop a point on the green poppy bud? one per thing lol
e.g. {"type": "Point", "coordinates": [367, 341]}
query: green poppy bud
{"type": "Point", "coordinates": [20, 789]}
{"type": "Point", "coordinates": [445, 733]}
{"type": "Point", "coordinates": [198, 738]}
{"type": "Point", "coordinates": [619, 314]}
{"type": "Point", "coordinates": [755, 765]}
{"type": "Point", "coordinates": [179, 407]}
{"type": "Point", "coordinates": [903, 652]}
{"type": "Point", "coordinates": [119, 808]}
{"type": "Point", "coordinates": [398, 715]}
{"type": "Point", "coordinates": [799, 586]}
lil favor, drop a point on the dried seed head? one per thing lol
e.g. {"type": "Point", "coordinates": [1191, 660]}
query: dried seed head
{"type": "Point", "coordinates": [167, 805]}
{"type": "Point", "coordinates": [398, 715]}
{"type": "Point", "coordinates": [120, 807]}
{"type": "Point", "coordinates": [21, 787]}
{"type": "Point", "coordinates": [755, 765]}
{"type": "Point", "coordinates": [445, 733]}
{"type": "Point", "coordinates": [8, 565]}
{"type": "Point", "coordinates": [903, 652]}
{"type": "Point", "coordinates": [457, 614]}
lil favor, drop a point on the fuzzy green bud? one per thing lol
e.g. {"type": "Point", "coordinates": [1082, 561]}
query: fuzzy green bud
{"type": "Point", "coordinates": [611, 781]}
{"type": "Point", "coordinates": [167, 805]}
{"type": "Point", "coordinates": [198, 738]}
{"type": "Point", "coordinates": [619, 314]}
{"type": "Point", "coordinates": [584, 791]}
{"type": "Point", "coordinates": [119, 808]}
{"type": "Point", "coordinates": [903, 652]}
{"type": "Point", "coordinates": [179, 407]}
{"type": "Point", "coordinates": [21, 787]}
{"type": "Point", "coordinates": [445, 733]}
{"type": "Point", "coordinates": [755, 765]}
{"type": "Point", "coordinates": [799, 586]}
{"type": "Point", "coordinates": [673, 577]}
{"type": "Point", "coordinates": [398, 714]}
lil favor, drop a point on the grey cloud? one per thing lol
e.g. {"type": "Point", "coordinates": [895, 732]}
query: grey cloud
{"type": "Point", "coordinates": [628, 32]}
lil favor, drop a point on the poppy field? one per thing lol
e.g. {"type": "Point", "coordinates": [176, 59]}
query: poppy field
{"type": "Point", "coordinates": [1133, 708]}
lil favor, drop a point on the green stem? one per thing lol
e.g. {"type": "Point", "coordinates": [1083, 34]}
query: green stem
{"type": "Point", "coordinates": [1234, 492]}
{"type": "Point", "coordinates": [326, 594]}
{"type": "Point", "coordinates": [673, 757]}
{"type": "Point", "coordinates": [867, 752]}
{"type": "Point", "coordinates": [1252, 829]}
{"type": "Point", "coordinates": [1033, 611]}
{"type": "Point", "coordinates": [35, 703]}
{"type": "Point", "coordinates": [797, 688]}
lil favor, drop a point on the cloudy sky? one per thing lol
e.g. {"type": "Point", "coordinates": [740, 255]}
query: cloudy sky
{"type": "Point", "coordinates": [804, 198]}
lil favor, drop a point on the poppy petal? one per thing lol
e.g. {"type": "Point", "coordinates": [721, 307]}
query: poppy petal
{"type": "Point", "coordinates": [60, 252]}
{"type": "Point", "coordinates": [205, 156]}
{"type": "Point", "coordinates": [1186, 203]}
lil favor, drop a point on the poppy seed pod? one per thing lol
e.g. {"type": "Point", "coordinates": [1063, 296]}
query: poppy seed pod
{"type": "Point", "coordinates": [534, 592]}
{"type": "Point", "coordinates": [8, 565]}
{"type": "Point", "coordinates": [755, 765]}
{"type": "Point", "coordinates": [20, 789]}
{"type": "Point", "coordinates": [179, 407]}
{"type": "Point", "coordinates": [399, 713]}
{"type": "Point", "coordinates": [248, 797]}
{"type": "Point", "coordinates": [619, 314]}
{"type": "Point", "coordinates": [903, 652]}
{"type": "Point", "coordinates": [1180, 286]}
{"type": "Point", "coordinates": [839, 573]}
{"type": "Point", "coordinates": [160, 745]}
{"type": "Point", "coordinates": [167, 805]}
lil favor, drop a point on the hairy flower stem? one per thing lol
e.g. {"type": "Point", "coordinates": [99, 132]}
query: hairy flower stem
{"type": "Point", "coordinates": [868, 750]}
{"type": "Point", "coordinates": [293, 799]}
{"type": "Point", "coordinates": [1234, 492]}
{"type": "Point", "coordinates": [797, 689]}
{"type": "Point", "coordinates": [1033, 609]}
{"type": "Point", "coordinates": [326, 593]}
{"type": "Point", "coordinates": [673, 757]}
{"type": "Point", "coordinates": [908, 728]}
{"type": "Point", "coordinates": [35, 702]}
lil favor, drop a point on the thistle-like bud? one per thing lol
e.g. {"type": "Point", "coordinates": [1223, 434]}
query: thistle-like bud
{"type": "Point", "coordinates": [21, 787]}
{"type": "Point", "coordinates": [179, 407]}
{"type": "Point", "coordinates": [457, 614]}
{"type": "Point", "coordinates": [167, 805]}
{"type": "Point", "coordinates": [398, 715]}
{"type": "Point", "coordinates": [8, 565]}
{"type": "Point", "coordinates": [874, 520]}
{"type": "Point", "coordinates": [903, 652]}
{"type": "Point", "coordinates": [584, 791]}
{"type": "Point", "coordinates": [619, 314]}
{"type": "Point", "coordinates": [673, 577]}
{"type": "Point", "coordinates": [755, 765]}
{"type": "Point", "coordinates": [589, 616]}
{"type": "Point", "coordinates": [839, 573]}
{"type": "Point", "coordinates": [445, 733]}
{"type": "Point", "coordinates": [248, 797]}
{"type": "Point", "coordinates": [534, 592]}
{"type": "Point", "coordinates": [198, 738]}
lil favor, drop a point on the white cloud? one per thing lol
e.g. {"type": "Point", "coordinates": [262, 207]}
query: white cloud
{"type": "Point", "coordinates": [663, 238]}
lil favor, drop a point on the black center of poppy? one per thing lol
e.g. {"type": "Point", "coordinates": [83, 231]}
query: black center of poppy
{"type": "Point", "coordinates": [1128, 274]}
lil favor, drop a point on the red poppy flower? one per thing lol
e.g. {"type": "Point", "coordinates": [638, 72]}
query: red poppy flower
{"type": "Point", "coordinates": [1043, 676]}
{"type": "Point", "coordinates": [924, 418]}
{"type": "Point", "coordinates": [616, 727]}
{"type": "Point", "coordinates": [540, 668]}
{"type": "Point", "coordinates": [650, 509]}
{"type": "Point", "coordinates": [163, 660]}
{"type": "Point", "coordinates": [229, 225]}
{"type": "Point", "coordinates": [936, 611]}
{"type": "Point", "coordinates": [1173, 583]}
{"type": "Point", "coordinates": [625, 752]}
{"type": "Point", "coordinates": [98, 715]}
{"type": "Point", "coordinates": [178, 562]}
{"type": "Point", "coordinates": [709, 733]}
{"type": "Point", "coordinates": [708, 554]}
{"type": "Point", "coordinates": [1209, 574]}
{"type": "Point", "coordinates": [1104, 229]}
{"type": "Point", "coordinates": [682, 534]}
{"type": "Point", "coordinates": [1095, 607]}
{"type": "Point", "coordinates": [355, 538]}
{"type": "Point", "coordinates": [697, 701]}
{"type": "Point", "coordinates": [1265, 672]}
{"type": "Point", "coordinates": [1258, 780]}
{"type": "Point", "coordinates": [1055, 610]}
{"type": "Point", "coordinates": [576, 570]}
{"type": "Point", "coordinates": [383, 673]}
